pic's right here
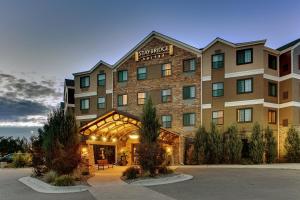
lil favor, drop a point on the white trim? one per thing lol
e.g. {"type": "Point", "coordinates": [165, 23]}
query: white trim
{"type": "Point", "coordinates": [80, 117]}
{"type": "Point", "coordinates": [206, 106]}
{"type": "Point", "coordinates": [244, 73]}
{"type": "Point", "coordinates": [71, 105]}
{"type": "Point", "coordinates": [286, 77]}
{"type": "Point", "coordinates": [91, 70]}
{"type": "Point", "coordinates": [206, 78]}
{"type": "Point", "coordinates": [201, 93]}
{"type": "Point", "coordinates": [272, 50]}
{"type": "Point", "coordinates": [109, 91]}
{"type": "Point", "coordinates": [290, 104]}
{"type": "Point", "coordinates": [85, 94]}
{"type": "Point", "coordinates": [271, 105]}
{"type": "Point", "coordinates": [244, 103]}
{"type": "Point", "coordinates": [271, 77]}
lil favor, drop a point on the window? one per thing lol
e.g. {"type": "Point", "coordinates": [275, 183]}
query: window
{"type": "Point", "coordinates": [101, 79]}
{"type": "Point", "coordinates": [101, 102]}
{"type": "Point", "coordinates": [141, 73]}
{"type": "Point", "coordinates": [272, 117]}
{"type": "Point", "coordinates": [272, 62]}
{"type": "Point", "coordinates": [166, 70]}
{"type": "Point", "coordinates": [166, 96]}
{"type": "Point", "coordinates": [244, 86]}
{"type": "Point", "coordinates": [141, 98]}
{"type": "Point", "coordinates": [272, 89]}
{"type": "Point", "coordinates": [244, 115]}
{"type": "Point", "coordinates": [244, 56]}
{"type": "Point", "coordinates": [189, 65]}
{"type": "Point", "coordinates": [166, 121]}
{"type": "Point", "coordinates": [84, 104]}
{"type": "Point", "coordinates": [189, 119]}
{"type": "Point", "coordinates": [122, 100]}
{"type": "Point", "coordinates": [217, 61]}
{"type": "Point", "coordinates": [84, 82]}
{"type": "Point", "coordinates": [122, 76]}
{"type": "Point", "coordinates": [217, 89]}
{"type": "Point", "coordinates": [189, 92]}
{"type": "Point", "coordinates": [218, 117]}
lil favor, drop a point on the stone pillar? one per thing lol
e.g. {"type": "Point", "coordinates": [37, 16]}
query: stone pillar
{"type": "Point", "coordinates": [181, 149]}
{"type": "Point", "coordinates": [91, 159]}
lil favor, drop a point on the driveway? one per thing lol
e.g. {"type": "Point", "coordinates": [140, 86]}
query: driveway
{"type": "Point", "coordinates": [245, 184]}
{"type": "Point", "coordinates": [12, 189]}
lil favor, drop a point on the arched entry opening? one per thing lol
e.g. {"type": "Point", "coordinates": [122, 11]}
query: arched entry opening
{"type": "Point", "coordinates": [114, 137]}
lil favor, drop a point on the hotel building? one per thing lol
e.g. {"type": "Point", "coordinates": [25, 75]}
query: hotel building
{"type": "Point", "coordinates": [224, 82]}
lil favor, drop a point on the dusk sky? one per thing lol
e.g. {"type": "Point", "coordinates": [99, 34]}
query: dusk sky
{"type": "Point", "coordinates": [42, 42]}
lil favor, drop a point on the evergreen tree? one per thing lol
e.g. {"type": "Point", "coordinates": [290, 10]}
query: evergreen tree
{"type": "Point", "coordinates": [292, 145]}
{"type": "Point", "coordinates": [200, 145]}
{"type": "Point", "coordinates": [256, 145]}
{"type": "Point", "coordinates": [270, 146]}
{"type": "Point", "coordinates": [214, 146]}
{"type": "Point", "coordinates": [232, 145]}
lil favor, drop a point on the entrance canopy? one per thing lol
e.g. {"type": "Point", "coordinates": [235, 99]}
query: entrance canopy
{"type": "Point", "coordinates": [119, 125]}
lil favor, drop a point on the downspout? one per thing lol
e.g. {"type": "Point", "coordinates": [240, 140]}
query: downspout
{"type": "Point", "coordinates": [201, 87]}
{"type": "Point", "coordinates": [278, 110]}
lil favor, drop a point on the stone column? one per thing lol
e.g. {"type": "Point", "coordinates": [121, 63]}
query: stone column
{"type": "Point", "coordinates": [91, 159]}
{"type": "Point", "coordinates": [181, 149]}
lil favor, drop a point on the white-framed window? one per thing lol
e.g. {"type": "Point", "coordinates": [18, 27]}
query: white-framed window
{"type": "Point", "coordinates": [141, 98]}
{"type": "Point", "coordinates": [101, 102]}
{"type": "Point", "coordinates": [122, 100]}
{"type": "Point", "coordinates": [84, 104]}
{"type": "Point", "coordinates": [244, 115]}
{"type": "Point", "coordinates": [218, 117]}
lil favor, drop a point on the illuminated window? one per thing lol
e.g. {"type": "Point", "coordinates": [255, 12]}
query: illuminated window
{"type": "Point", "coordinates": [272, 117]}
{"type": "Point", "coordinates": [218, 117]}
{"type": "Point", "coordinates": [122, 100]}
{"type": "Point", "coordinates": [166, 70]}
{"type": "Point", "coordinates": [141, 98]}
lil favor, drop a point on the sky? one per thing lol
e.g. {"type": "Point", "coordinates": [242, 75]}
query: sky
{"type": "Point", "coordinates": [42, 42]}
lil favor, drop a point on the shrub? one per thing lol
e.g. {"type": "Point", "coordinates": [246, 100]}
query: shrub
{"type": "Point", "coordinates": [64, 180]}
{"type": "Point", "coordinates": [50, 176]}
{"type": "Point", "coordinates": [270, 146]}
{"type": "Point", "coordinates": [21, 160]}
{"type": "Point", "coordinates": [232, 149]}
{"type": "Point", "coordinates": [256, 145]}
{"type": "Point", "coordinates": [131, 173]}
{"type": "Point", "coordinates": [165, 170]}
{"type": "Point", "coordinates": [292, 145]}
{"type": "Point", "coordinates": [214, 146]}
{"type": "Point", "coordinates": [199, 146]}
{"type": "Point", "coordinates": [38, 162]}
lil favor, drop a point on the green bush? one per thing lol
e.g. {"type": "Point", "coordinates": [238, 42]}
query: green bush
{"type": "Point", "coordinates": [292, 145]}
{"type": "Point", "coordinates": [21, 160]}
{"type": "Point", "coordinates": [232, 149]}
{"type": "Point", "coordinates": [131, 173]}
{"type": "Point", "coordinates": [257, 145]}
{"type": "Point", "coordinates": [64, 180]}
{"type": "Point", "coordinates": [270, 146]}
{"type": "Point", "coordinates": [199, 146]}
{"type": "Point", "coordinates": [214, 146]}
{"type": "Point", "coordinates": [50, 176]}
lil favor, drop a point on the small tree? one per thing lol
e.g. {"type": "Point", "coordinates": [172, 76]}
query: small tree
{"type": "Point", "coordinates": [270, 146]}
{"type": "Point", "coordinates": [232, 145]}
{"type": "Point", "coordinates": [200, 145]}
{"type": "Point", "coordinates": [151, 154]}
{"type": "Point", "coordinates": [292, 145]}
{"type": "Point", "coordinates": [214, 146]}
{"type": "Point", "coordinates": [256, 145]}
{"type": "Point", "coordinates": [38, 161]}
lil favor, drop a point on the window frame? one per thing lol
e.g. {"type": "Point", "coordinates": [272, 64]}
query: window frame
{"type": "Point", "coordinates": [244, 62]}
{"type": "Point", "coordinates": [188, 86]}
{"type": "Point", "coordinates": [185, 114]}
{"type": "Point", "coordinates": [162, 96]}
{"type": "Point", "coordinates": [137, 95]}
{"type": "Point", "coordinates": [270, 56]}
{"type": "Point", "coordinates": [270, 121]}
{"type": "Point", "coordinates": [104, 104]}
{"type": "Point", "coordinates": [185, 60]}
{"type": "Point", "coordinates": [121, 95]}
{"type": "Point", "coordinates": [83, 77]}
{"type": "Point", "coordinates": [212, 61]}
{"type": "Point", "coordinates": [270, 91]}
{"type": "Point", "coordinates": [237, 115]}
{"type": "Point", "coordinates": [212, 117]}
{"type": "Point", "coordinates": [168, 122]}
{"type": "Point", "coordinates": [98, 83]}
{"type": "Point", "coordinates": [81, 100]}
{"type": "Point", "coordinates": [217, 89]}
{"type": "Point", "coordinates": [122, 71]}
{"type": "Point", "coordinates": [164, 70]}
{"type": "Point", "coordinates": [138, 75]}
{"type": "Point", "coordinates": [237, 86]}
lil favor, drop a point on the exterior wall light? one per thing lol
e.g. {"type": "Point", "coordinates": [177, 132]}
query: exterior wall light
{"type": "Point", "coordinates": [93, 137]}
{"type": "Point", "coordinates": [134, 136]}
{"type": "Point", "coordinates": [104, 139]}
{"type": "Point", "coordinates": [114, 140]}
{"type": "Point", "coordinates": [169, 150]}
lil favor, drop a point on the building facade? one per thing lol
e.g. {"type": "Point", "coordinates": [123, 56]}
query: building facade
{"type": "Point", "coordinates": [224, 83]}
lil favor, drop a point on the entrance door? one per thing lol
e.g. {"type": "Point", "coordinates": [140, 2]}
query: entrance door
{"type": "Point", "coordinates": [107, 152]}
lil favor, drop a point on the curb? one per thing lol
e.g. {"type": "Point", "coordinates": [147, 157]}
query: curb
{"type": "Point", "coordinates": [263, 166]}
{"type": "Point", "coordinates": [43, 187]}
{"type": "Point", "coordinates": [163, 181]}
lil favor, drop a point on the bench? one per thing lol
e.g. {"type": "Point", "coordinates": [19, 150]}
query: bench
{"type": "Point", "coordinates": [103, 163]}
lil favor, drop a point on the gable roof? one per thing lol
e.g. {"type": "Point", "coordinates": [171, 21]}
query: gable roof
{"type": "Point", "coordinates": [242, 44]}
{"type": "Point", "coordinates": [160, 36]}
{"type": "Point", "coordinates": [289, 45]}
{"type": "Point", "coordinates": [91, 70]}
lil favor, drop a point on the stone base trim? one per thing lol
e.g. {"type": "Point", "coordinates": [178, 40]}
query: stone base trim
{"type": "Point", "coordinates": [43, 187]}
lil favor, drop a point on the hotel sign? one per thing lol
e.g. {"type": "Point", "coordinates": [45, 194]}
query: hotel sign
{"type": "Point", "coordinates": [149, 54]}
